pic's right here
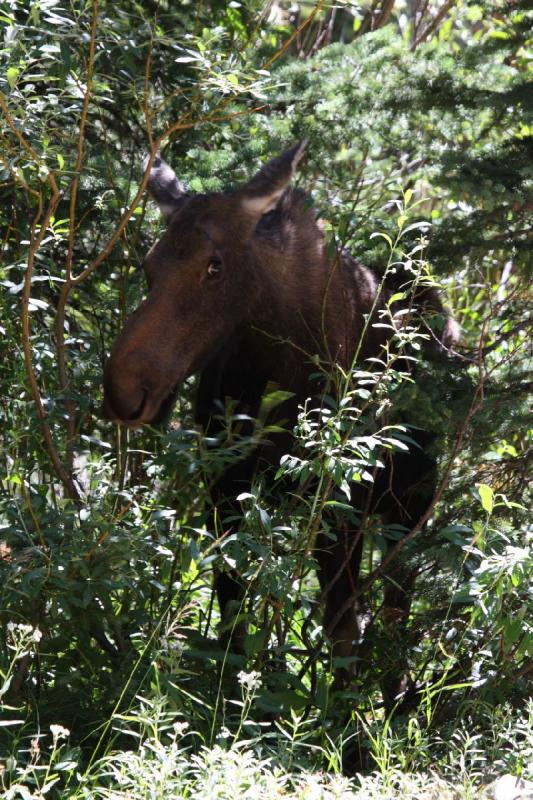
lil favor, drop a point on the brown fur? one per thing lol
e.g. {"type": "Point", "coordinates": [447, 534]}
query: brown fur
{"type": "Point", "coordinates": [241, 288]}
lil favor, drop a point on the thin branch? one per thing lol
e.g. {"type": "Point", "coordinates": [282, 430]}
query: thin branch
{"type": "Point", "coordinates": [67, 286]}
{"type": "Point", "coordinates": [50, 178]}
{"type": "Point", "coordinates": [366, 23]}
{"type": "Point", "coordinates": [35, 243]}
{"type": "Point", "coordinates": [418, 18]}
{"type": "Point", "coordinates": [307, 21]}
{"type": "Point", "coordinates": [433, 25]}
{"type": "Point", "coordinates": [384, 15]}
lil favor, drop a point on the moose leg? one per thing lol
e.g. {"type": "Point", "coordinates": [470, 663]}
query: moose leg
{"type": "Point", "coordinates": [412, 483]}
{"type": "Point", "coordinates": [222, 391]}
{"type": "Point", "coordinates": [398, 594]}
{"type": "Point", "coordinates": [229, 588]}
{"type": "Point", "coordinates": [230, 596]}
{"type": "Point", "coordinates": [339, 563]}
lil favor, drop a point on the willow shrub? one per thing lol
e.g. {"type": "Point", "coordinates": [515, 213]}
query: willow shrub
{"type": "Point", "coordinates": [105, 547]}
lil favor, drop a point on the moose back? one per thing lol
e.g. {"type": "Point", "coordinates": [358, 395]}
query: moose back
{"type": "Point", "coordinates": [241, 289]}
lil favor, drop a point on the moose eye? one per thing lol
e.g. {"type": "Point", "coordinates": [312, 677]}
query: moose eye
{"type": "Point", "coordinates": [214, 267]}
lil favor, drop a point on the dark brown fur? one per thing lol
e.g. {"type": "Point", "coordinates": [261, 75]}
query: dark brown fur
{"type": "Point", "coordinates": [241, 289]}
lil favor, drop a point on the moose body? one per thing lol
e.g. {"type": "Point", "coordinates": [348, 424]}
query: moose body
{"type": "Point", "coordinates": [241, 289]}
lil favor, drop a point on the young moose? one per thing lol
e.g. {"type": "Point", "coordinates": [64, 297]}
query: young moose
{"type": "Point", "coordinates": [241, 289]}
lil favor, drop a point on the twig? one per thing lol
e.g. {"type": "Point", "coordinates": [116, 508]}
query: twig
{"type": "Point", "coordinates": [35, 242]}
{"type": "Point", "coordinates": [67, 286]}
{"type": "Point", "coordinates": [433, 25]}
{"type": "Point", "coordinates": [293, 36]}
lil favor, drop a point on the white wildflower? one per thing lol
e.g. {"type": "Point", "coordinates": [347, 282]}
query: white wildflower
{"type": "Point", "coordinates": [59, 732]}
{"type": "Point", "coordinates": [250, 680]}
{"type": "Point", "coordinates": [180, 728]}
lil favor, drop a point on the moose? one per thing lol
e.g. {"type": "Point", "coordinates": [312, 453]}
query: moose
{"type": "Point", "coordinates": [243, 290]}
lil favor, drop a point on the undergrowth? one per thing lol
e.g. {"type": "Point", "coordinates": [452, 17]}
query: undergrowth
{"type": "Point", "coordinates": [160, 758]}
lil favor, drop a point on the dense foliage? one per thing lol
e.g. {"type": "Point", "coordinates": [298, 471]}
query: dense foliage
{"type": "Point", "coordinates": [420, 130]}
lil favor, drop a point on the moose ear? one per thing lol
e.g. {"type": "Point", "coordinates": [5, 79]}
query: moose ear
{"type": "Point", "coordinates": [262, 193]}
{"type": "Point", "coordinates": [164, 186]}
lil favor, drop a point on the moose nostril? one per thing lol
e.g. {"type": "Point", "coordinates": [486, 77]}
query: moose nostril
{"type": "Point", "coordinates": [125, 397]}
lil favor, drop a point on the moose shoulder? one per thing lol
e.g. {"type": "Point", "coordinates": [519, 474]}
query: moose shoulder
{"type": "Point", "coordinates": [241, 288]}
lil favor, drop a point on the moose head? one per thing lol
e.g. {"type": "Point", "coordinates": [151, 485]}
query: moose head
{"type": "Point", "coordinates": [203, 283]}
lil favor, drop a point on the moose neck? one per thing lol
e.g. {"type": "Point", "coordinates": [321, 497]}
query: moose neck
{"type": "Point", "coordinates": [302, 304]}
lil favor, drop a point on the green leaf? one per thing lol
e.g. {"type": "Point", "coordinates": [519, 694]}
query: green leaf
{"type": "Point", "coordinates": [402, 219]}
{"type": "Point", "coordinates": [397, 296]}
{"type": "Point", "coordinates": [486, 495]}
{"type": "Point", "coordinates": [383, 236]}
{"type": "Point", "coordinates": [12, 76]}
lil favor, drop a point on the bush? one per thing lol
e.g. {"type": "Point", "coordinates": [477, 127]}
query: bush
{"type": "Point", "coordinates": [106, 548]}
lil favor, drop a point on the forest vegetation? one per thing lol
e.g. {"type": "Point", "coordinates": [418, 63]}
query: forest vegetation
{"type": "Point", "coordinates": [114, 680]}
